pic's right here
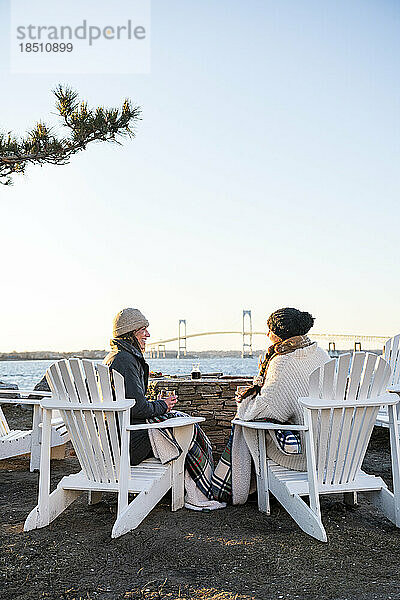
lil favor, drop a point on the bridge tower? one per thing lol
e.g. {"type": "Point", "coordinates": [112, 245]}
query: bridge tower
{"type": "Point", "coordinates": [161, 353]}
{"type": "Point", "coordinates": [182, 338]}
{"type": "Point", "coordinates": [247, 333]}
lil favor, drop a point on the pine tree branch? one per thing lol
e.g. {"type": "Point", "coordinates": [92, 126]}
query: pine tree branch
{"type": "Point", "coordinates": [84, 125]}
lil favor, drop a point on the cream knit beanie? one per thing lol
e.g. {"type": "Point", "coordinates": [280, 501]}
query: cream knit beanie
{"type": "Point", "coordinates": [128, 319]}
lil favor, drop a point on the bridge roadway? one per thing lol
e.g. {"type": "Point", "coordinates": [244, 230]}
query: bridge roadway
{"type": "Point", "coordinates": [343, 337]}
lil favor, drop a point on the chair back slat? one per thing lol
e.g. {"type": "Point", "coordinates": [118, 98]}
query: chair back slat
{"type": "Point", "coordinates": [69, 419]}
{"type": "Point", "coordinates": [395, 363]}
{"type": "Point", "coordinates": [342, 433]}
{"type": "Point", "coordinates": [4, 428]}
{"type": "Point", "coordinates": [119, 384]}
{"type": "Point", "coordinates": [119, 387]}
{"type": "Point", "coordinates": [98, 455]}
{"type": "Point", "coordinates": [56, 383]}
{"type": "Point", "coordinates": [328, 381]}
{"type": "Point", "coordinates": [335, 433]}
{"type": "Point", "coordinates": [353, 438]}
{"type": "Point", "coordinates": [91, 380]}
{"type": "Point", "coordinates": [343, 367]}
{"type": "Point", "coordinates": [388, 378]}
{"type": "Point", "coordinates": [105, 384]}
{"type": "Point", "coordinates": [344, 445]}
{"type": "Point", "coordinates": [387, 349]}
{"type": "Point", "coordinates": [357, 365]}
{"type": "Point", "coordinates": [80, 381]}
{"type": "Point", "coordinates": [87, 453]}
{"type": "Point", "coordinates": [364, 436]}
{"type": "Point", "coordinates": [381, 377]}
{"type": "Point", "coordinates": [103, 443]}
{"type": "Point", "coordinates": [391, 354]}
{"type": "Point", "coordinates": [95, 432]}
{"type": "Point", "coordinates": [69, 383]}
{"type": "Point", "coordinates": [367, 376]}
{"type": "Point", "coordinates": [114, 438]}
{"type": "Point", "coordinates": [314, 383]}
{"type": "Point", "coordinates": [322, 449]}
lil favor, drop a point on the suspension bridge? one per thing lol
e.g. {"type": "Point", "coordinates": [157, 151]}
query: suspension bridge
{"type": "Point", "coordinates": [157, 349]}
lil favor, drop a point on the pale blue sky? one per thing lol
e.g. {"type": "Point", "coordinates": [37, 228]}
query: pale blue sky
{"type": "Point", "coordinates": [264, 174]}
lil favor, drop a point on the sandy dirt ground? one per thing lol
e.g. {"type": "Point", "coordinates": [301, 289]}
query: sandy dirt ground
{"type": "Point", "coordinates": [236, 553]}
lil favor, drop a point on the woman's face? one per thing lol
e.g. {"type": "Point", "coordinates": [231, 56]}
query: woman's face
{"type": "Point", "coordinates": [141, 335]}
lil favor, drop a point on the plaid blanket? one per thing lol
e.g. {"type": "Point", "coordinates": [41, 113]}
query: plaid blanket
{"type": "Point", "coordinates": [199, 460]}
{"type": "Point", "coordinates": [221, 481]}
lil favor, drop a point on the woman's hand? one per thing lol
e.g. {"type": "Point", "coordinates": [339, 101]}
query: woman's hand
{"type": "Point", "coordinates": [243, 392]}
{"type": "Point", "coordinates": [238, 397]}
{"type": "Point", "coordinates": [170, 401]}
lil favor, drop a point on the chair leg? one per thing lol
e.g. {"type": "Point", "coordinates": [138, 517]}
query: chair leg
{"type": "Point", "coordinates": [58, 452]}
{"type": "Point", "coordinates": [308, 520]}
{"type": "Point", "coordinates": [385, 501]}
{"type": "Point", "coordinates": [350, 498]}
{"type": "Point", "coordinates": [263, 496]}
{"type": "Point", "coordinates": [35, 439]}
{"type": "Point", "coordinates": [184, 436]}
{"type": "Point", "coordinates": [178, 483]}
{"type": "Point", "coordinates": [140, 507]}
{"type": "Point", "coordinates": [395, 456]}
{"type": "Point", "coordinates": [58, 501]}
{"type": "Point", "coordinates": [262, 478]}
{"type": "Point", "coordinates": [94, 497]}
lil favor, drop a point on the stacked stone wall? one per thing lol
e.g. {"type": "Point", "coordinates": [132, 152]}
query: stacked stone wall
{"type": "Point", "coordinates": [212, 399]}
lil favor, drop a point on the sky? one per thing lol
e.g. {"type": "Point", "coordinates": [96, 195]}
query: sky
{"type": "Point", "coordinates": [264, 173]}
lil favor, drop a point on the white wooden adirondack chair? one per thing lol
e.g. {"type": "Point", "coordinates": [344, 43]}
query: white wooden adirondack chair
{"type": "Point", "coordinates": [391, 353]}
{"type": "Point", "coordinates": [16, 442]}
{"type": "Point", "coordinates": [339, 416]}
{"type": "Point", "coordinates": [98, 421]}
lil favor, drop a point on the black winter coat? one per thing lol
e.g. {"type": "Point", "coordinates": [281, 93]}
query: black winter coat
{"type": "Point", "coordinates": [129, 361]}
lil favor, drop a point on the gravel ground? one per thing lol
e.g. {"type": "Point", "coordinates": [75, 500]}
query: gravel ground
{"type": "Point", "coordinates": [237, 553]}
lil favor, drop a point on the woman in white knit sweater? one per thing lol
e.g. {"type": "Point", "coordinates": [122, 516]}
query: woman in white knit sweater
{"type": "Point", "coordinates": [283, 378]}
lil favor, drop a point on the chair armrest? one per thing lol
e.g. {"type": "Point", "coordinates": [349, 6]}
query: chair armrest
{"type": "Point", "coordinates": [36, 393]}
{"type": "Point", "coordinates": [174, 422]}
{"type": "Point", "coordinates": [21, 400]}
{"type": "Point", "coordinates": [106, 406]}
{"type": "Point", "coordinates": [266, 425]}
{"type": "Point", "coordinates": [30, 392]}
{"type": "Point", "coordinates": [27, 401]}
{"type": "Point", "coordinates": [320, 403]}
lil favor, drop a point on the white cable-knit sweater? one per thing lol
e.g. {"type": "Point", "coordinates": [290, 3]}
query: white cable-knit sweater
{"type": "Point", "coordinates": [287, 379]}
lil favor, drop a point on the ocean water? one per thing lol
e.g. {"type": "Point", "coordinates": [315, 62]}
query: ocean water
{"type": "Point", "coordinates": [27, 373]}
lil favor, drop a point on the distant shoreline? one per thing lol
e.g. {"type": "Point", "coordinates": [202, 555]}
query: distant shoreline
{"type": "Point", "coordinates": [52, 355]}
{"type": "Point", "coordinates": [100, 354]}
{"type": "Point", "coordinates": [172, 354]}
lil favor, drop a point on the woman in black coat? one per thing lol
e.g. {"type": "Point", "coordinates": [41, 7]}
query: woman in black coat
{"type": "Point", "coordinates": [126, 356]}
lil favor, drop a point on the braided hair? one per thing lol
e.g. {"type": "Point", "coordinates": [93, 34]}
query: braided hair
{"type": "Point", "coordinates": [263, 365]}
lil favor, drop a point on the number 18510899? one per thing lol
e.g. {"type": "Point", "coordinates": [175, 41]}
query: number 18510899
{"type": "Point", "coordinates": [48, 47]}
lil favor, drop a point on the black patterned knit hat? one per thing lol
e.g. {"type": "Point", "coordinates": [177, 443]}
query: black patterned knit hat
{"type": "Point", "coordinates": [289, 322]}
